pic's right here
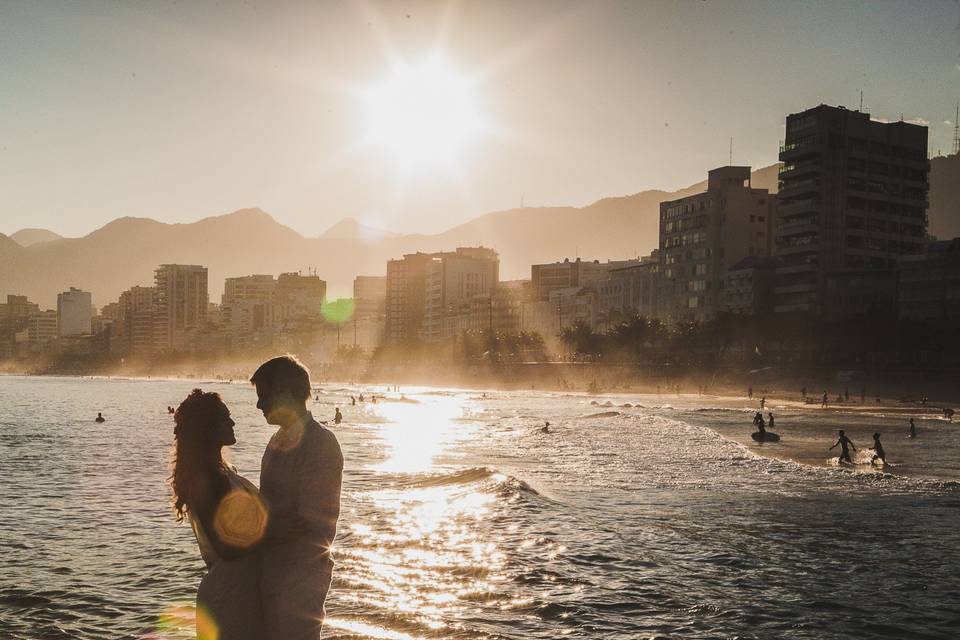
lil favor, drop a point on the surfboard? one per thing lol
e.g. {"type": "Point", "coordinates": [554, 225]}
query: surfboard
{"type": "Point", "coordinates": [766, 436]}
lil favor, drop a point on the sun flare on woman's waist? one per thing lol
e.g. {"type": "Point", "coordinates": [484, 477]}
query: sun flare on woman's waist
{"type": "Point", "coordinates": [423, 115]}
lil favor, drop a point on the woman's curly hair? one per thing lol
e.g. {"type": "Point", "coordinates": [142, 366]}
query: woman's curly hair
{"type": "Point", "coordinates": [198, 479]}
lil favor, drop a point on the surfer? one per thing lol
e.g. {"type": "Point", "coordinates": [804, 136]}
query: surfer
{"type": "Point", "coordinates": [844, 443]}
{"type": "Point", "coordinates": [913, 429]}
{"type": "Point", "coordinates": [878, 450]}
{"type": "Point", "coordinates": [761, 425]}
{"type": "Point", "coordinates": [770, 421]}
{"type": "Point", "coordinates": [337, 416]}
{"type": "Point", "coordinates": [546, 427]}
{"type": "Point", "coordinates": [99, 418]}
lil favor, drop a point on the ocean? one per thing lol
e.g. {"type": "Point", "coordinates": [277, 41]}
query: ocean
{"type": "Point", "coordinates": [636, 516]}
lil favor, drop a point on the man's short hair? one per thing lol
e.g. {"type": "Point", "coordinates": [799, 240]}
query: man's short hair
{"type": "Point", "coordinates": [284, 373]}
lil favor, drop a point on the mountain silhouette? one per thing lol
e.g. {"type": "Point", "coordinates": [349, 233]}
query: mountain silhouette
{"type": "Point", "coordinates": [125, 252]}
{"type": "Point", "coordinates": [27, 237]}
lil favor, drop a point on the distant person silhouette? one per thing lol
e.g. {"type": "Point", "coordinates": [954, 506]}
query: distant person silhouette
{"type": "Point", "coordinates": [913, 429]}
{"type": "Point", "coordinates": [750, 392]}
{"type": "Point", "coordinates": [353, 401]}
{"type": "Point", "coordinates": [99, 418]}
{"type": "Point", "coordinates": [844, 443]}
{"type": "Point", "coordinates": [770, 421]}
{"type": "Point", "coordinates": [337, 416]}
{"type": "Point", "coordinates": [823, 400]}
{"type": "Point", "coordinates": [878, 453]}
{"type": "Point", "coordinates": [361, 397]}
{"type": "Point", "coordinates": [803, 392]}
{"type": "Point", "coordinates": [545, 428]}
{"type": "Point", "coordinates": [763, 402]}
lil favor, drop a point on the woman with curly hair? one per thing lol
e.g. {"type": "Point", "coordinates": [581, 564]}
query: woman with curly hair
{"type": "Point", "coordinates": [227, 515]}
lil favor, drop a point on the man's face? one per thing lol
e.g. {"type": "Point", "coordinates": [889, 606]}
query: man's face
{"type": "Point", "coordinates": [266, 402]}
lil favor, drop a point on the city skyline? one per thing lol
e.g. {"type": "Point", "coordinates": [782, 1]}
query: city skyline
{"type": "Point", "coordinates": [610, 99]}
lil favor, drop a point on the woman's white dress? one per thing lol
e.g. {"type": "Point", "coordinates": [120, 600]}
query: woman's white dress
{"type": "Point", "coordinates": [228, 600]}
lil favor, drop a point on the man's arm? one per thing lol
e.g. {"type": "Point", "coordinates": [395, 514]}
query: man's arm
{"type": "Point", "coordinates": [320, 480]}
{"type": "Point", "coordinates": [834, 445]}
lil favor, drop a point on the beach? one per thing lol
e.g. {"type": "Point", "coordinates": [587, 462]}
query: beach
{"type": "Point", "coordinates": [637, 515]}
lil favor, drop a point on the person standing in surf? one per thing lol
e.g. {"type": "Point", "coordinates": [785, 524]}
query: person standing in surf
{"type": "Point", "coordinates": [300, 479]}
{"type": "Point", "coordinates": [878, 453]}
{"type": "Point", "coordinates": [844, 443]}
{"type": "Point", "coordinates": [913, 429]}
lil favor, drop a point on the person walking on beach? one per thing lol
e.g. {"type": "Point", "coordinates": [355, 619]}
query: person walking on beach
{"type": "Point", "coordinates": [913, 429]}
{"type": "Point", "coordinates": [878, 450]}
{"type": "Point", "coordinates": [823, 401]}
{"type": "Point", "coordinates": [300, 479]}
{"type": "Point", "coordinates": [844, 443]}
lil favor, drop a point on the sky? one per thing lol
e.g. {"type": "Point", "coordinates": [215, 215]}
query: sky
{"type": "Point", "coordinates": [182, 110]}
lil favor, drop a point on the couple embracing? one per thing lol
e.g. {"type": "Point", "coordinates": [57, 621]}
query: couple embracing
{"type": "Point", "coordinates": [267, 551]}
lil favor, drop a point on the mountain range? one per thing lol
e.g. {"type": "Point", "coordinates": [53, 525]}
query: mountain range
{"type": "Point", "coordinates": [124, 252]}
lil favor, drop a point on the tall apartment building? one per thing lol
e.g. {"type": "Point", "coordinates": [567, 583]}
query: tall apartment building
{"type": "Point", "coordinates": [248, 313]}
{"type": "Point", "coordinates": [702, 235]}
{"type": "Point", "coordinates": [42, 326]}
{"type": "Point", "coordinates": [74, 311]}
{"type": "Point", "coordinates": [370, 294]}
{"type": "Point", "coordinates": [546, 278]}
{"type": "Point", "coordinates": [182, 301]}
{"type": "Point", "coordinates": [425, 289]}
{"type": "Point", "coordinates": [299, 298]}
{"type": "Point", "coordinates": [631, 290]}
{"type": "Point", "coordinates": [136, 325]}
{"type": "Point", "coordinates": [853, 197]}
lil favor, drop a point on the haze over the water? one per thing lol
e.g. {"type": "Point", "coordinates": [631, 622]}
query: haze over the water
{"type": "Point", "coordinates": [177, 111]}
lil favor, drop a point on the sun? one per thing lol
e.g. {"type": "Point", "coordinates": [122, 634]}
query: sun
{"type": "Point", "coordinates": [423, 115]}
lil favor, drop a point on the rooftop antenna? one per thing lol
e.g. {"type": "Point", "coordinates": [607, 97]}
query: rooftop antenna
{"type": "Point", "coordinates": [861, 100]}
{"type": "Point", "coordinates": [956, 132]}
{"type": "Point", "coordinates": [730, 163]}
{"type": "Point", "coordinates": [521, 201]}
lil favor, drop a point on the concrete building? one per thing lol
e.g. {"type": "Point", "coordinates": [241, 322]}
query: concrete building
{"type": "Point", "coordinates": [425, 290]}
{"type": "Point", "coordinates": [42, 327]}
{"type": "Point", "coordinates": [853, 197]}
{"type": "Point", "coordinates": [248, 315]}
{"type": "Point", "coordinates": [370, 294]}
{"type": "Point", "coordinates": [136, 330]}
{"type": "Point", "coordinates": [929, 285]}
{"type": "Point", "coordinates": [299, 300]}
{"type": "Point", "coordinates": [74, 311]}
{"type": "Point", "coordinates": [748, 287]}
{"type": "Point", "coordinates": [630, 290]}
{"type": "Point", "coordinates": [702, 235]}
{"type": "Point", "coordinates": [546, 278]}
{"type": "Point", "coordinates": [182, 300]}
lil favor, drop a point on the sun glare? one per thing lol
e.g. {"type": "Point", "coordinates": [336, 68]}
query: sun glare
{"type": "Point", "coordinates": [422, 115]}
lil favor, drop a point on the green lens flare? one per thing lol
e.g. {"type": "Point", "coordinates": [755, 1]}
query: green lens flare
{"type": "Point", "coordinates": [338, 311]}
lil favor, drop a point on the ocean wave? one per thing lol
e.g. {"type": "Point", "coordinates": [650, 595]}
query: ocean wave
{"type": "Point", "coordinates": [601, 414]}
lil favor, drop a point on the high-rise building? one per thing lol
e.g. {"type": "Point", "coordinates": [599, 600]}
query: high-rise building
{"type": "Point", "coordinates": [74, 311]}
{"type": "Point", "coordinates": [546, 278]}
{"type": "Point", "coordinates": [702, 235]}
{"type": "Point", "coordinates": [181, 304]}
{"type": "Point", "coordinates": [425, 290]}
{"type": "Point", "coordinates": [299, 299]}
{"type": "Point", "coordinates": [370, 294]}
{"type": "Point", "coordinates": [248, 315]}
{"type": "Point", "coordinates": [138, 317]}
{"type": "Point", "coordinates": [42, 326]}
{"type": "Point", "coordinates": [853, 197]}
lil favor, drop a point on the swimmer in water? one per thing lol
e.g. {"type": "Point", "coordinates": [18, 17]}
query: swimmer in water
{"type": "Point", "coordinates": [545, 428]}
{"type": "Point", "coordinates": [337, 416]}
{"type": "Point", "coordinates": [99, 418]}
{"type": "Point", "coordinates": [878, 450]}
{"type": "Point", "coordinates": [844, 442]}
{"type": "Point", "coordinates": [770, 421]}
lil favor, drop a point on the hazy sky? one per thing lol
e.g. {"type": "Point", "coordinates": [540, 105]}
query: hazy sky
{"type": "Point", "coordinates": [182, 110]}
